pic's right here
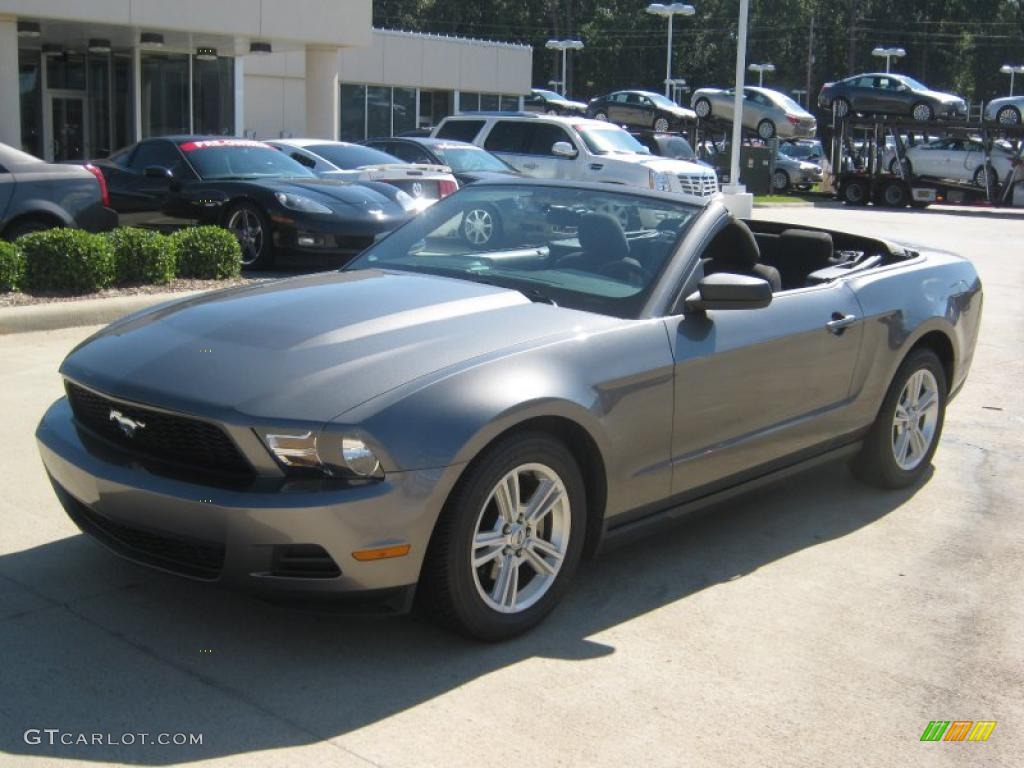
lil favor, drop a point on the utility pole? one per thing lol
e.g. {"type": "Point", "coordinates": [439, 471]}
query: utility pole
{"type": "Point", "coordinates": [851, 49]}
{"type": "Point", "coordinates": [810, 60]}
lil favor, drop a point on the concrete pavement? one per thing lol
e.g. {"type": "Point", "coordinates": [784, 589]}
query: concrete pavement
{"type": "Point", "coordinates": [819, 623]}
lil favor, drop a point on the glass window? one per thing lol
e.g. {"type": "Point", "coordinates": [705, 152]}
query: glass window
{"type": "Point", "coordinates": [602, 140]}
{"type": "Point", "coordinates": [241, 159]}
{"type": "Point", "coordinates": [66, 72]}
{"type": "Point", "coordinates": [406, 152]}
{"type": "Point", "coordinates": [404, 110]}
{"type": "Point", "coordinates": [31, 87]}
{"type": "Point", "coordinates": [159, 153]}
{"type": "Point", "coordinates": [543, 136]}
{"type": "Point", "coordinates": [508, 136]}
{"type": "Point", "coordinates": [350, 156]}
{"type": "Point", "coordinates": [123, 122]}
{"type": "Point", "coordinates": [467, 157]}
{"type": "Point", "coordinates": [378, 110]}
{"type": "Point", "coordinates": [469, 102]}
{"type": "Point", "coordinates": [353, 112]}
{"type": "Point", "coordinates": [460, 130]}
{"type": "Point", "coordinates": [165, 89]}
{"type": "Point", "coordinates": [435, 106]}
{"type": "Point", "coordinates": [489, 102]}
{"type": "Point", "coordinates": [542, 253]}
{"type": "Point", "coordinates": [213, 96]}
{"type": "Point", "coordinates": [99, 105]}
{"type": "Point", "coordinates": [509, 103]}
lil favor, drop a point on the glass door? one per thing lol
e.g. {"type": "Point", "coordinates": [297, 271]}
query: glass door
{"type": "Point", "coordinates": [65, 127]}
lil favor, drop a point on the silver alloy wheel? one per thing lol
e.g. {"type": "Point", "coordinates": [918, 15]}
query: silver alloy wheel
{"type": "Point", "coordinates": [979, 177]}
{"type": "Point", "coordinates": [478, 226]}
{"type": "Point", "coordinates": [661, 125]}
{"type": "Point", "coordinates": [521, 538]}
{"type": "Point", "coordinates": [1008, 116]}
{"type": "Point", "coordinates": [702, 108]}
{"type": "Point", "coordinates": [766, 129]}
{"type": "Point", "coordinates": [247, 229]}
{"type": "Point", "coordinates": [603, 117]}
{"type": "Point", "coordinates": [780, 181]}
{"type": "Point", "coordinates": [922, 112]}
{"type": "Point", "coordinates": [917, 415]}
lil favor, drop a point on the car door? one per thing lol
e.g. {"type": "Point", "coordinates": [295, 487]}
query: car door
{"type": "Point", "coordinates": [724, 106]}
{"type": "Point", "coordinates": [618, 108]}
{"type": "Point", "coordinates": [753, 387]}
{"type": "Point", "coordinates": [543, 163]}
{"type": "Point", "coordinates": [863, 97]}
{"type": "Point", "coordinates": [137, 196]}
{"type": "Point", "coordinates": [509, 140]}
{"type": "Point", "coordinates": [931, 159]}
{"type": "Point", "coordinates": [643, 111]}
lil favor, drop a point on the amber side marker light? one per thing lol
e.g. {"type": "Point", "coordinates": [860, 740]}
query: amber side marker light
{"type": "Point", "coordinates": [382, 553]}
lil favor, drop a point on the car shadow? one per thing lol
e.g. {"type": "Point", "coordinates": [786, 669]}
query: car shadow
{"type": "Point", "coordinates": [117, 649]}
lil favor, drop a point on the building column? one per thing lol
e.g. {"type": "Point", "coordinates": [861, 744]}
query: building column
{"type": "Point", "coordinates": [239, 96]}
{"type": "Point", "coordinates": [322, 92]}
{"type": "Point", "coordinates": [10, 90]}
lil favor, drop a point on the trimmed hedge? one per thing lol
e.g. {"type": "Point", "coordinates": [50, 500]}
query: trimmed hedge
{"type": "Point", "coordinates": [12, 267]}
{"type": "Point", "coordinates": [141, 256]}
{"type": "Point", "coordinates": [66, 260]}
{"type": "Point", "coordinates": [206, 252]}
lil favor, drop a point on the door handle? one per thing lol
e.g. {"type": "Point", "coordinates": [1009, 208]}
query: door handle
{"type": "Point", "coordinates": [531, 166]}
{"type": "Point", "coordinates": [840, 322]}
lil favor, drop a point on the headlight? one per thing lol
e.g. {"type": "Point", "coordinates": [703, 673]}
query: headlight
{"type": "Point", "coordinates": [330, 454]}
{"type": "Point", "coordinates": [300, 203]}
{"type": "Point", "coordinates": [660, 181]}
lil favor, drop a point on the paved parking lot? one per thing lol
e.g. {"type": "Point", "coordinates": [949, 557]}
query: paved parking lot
{"type": "Point", "coordinates": [818, 624]}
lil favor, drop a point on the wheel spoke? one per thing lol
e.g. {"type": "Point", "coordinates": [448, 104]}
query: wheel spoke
{"type": "Point", "coordinates": [918, 442]}
{"type": "Point", "coordinates": [537, 562]}
{"type": "Point", "coordinates": [543, 499]}
{"type": "Point", "coordinates": [506, 495]}
{"type": "Point", "coordinates": [927, 400]}
{"type": "Point", "coordinates": [902, 444]}
{"type": "Point", "coordinates": [506, 586]}
{"type": "Point", "coordinates": [487, 546]}
{"type": "Point", "coordinates": [545, 548]}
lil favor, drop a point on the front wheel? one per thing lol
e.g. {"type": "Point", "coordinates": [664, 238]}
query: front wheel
{"type": "Point", "coordinates": [780, 182]}
{"type": "Point", "coordinates": [855, 192]}
{"type": "Point", "coordinates": [661, 125]}
{"type": "Point", "coordinates": [251, 228]}
{"type": "Point", "coordinates": [922, 112]}
{"type": "Point", "coordinates": [509, 539]}
{"type": "Point", "coordinates": [602, 116]}
{"type": "Point", "coordinates": [895, 195]}
{"type": "Point", "coordinates": [703, 108]}
{"type": "Point", "coordinates": [1008, 115]}
{"type": "Point", "coordinates": [766, 129]}
{"type": "Point", "coordinates": [979, 177]}
{"type": "Point", "coordinates": [903, 439]}
{"type": "Point", "coordinates": [841, 107]}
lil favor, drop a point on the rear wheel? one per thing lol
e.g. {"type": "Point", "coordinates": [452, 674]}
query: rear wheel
{"type": "Point", "coordinates": [601, 115]}
{"type": "Point", "coordinates": [841, 107]}
{"type": "Point", "coordinates": [766, 129]}
{"type": "Point", "coordinates": [903, 439]}
{"type": "Point", "coordinates": [509, 539]}
{"type": "Point", "coordinates": [251, 228]}
{"type": "Point", "coordinates": [979, 177]}
{"type": "Point", "coordinates": [780, 181]}
{"type": "Point", "coordinates": [702, 107]}
{"type": "Point", "coordinates": [922, 112]}
{"type": "Point", "coordinates": [894, 195]}
{"type": "Point", "coordinates": [1008, 115]}
{"type": "Point", "coordinates": [661, 125]}
{"type": "Point", "coordinates": [855, 192]}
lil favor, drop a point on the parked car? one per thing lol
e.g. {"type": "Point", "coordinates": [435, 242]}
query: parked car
{"type": "Point", "coordinates": [640, 109]}
{"type": "Point", "coordinates": [36, 195]}
{"type": "Point", "coordinates": [1006, 110]}
{"type": "Point", "coordinates": [275, 206]}
{"type": "Point", "coordinates": [464, 425]}
{"type": "Point", "coordinates": [882, 93]}
{"type": "Point", "coordinates": [551, 103]}
{"type": "Point", "coordinates": [808, 150]}
{"type": "Point", "coordinates": [424, 182]}
{"type": "Point", "coordinates": [551, 147]}
{"type": "Point", "coordinates": [467, 161]}
{"type": "Point", "coordinates": [770, 113]}
{"type": "Point", "coordinates": [792, 173]}
{"type": "Point", "coordinates": [666, 145]}
{"type": "Point", "coordinates": [956, 159]}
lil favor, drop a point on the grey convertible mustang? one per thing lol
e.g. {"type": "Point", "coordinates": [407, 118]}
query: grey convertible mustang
{"type": "Point", "coordinates": [461, 426]}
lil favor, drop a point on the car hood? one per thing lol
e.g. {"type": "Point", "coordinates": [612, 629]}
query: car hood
{"type": "Point", "coordinates": [362, 196]}
{"type": "Point", "coordinates": [468, 177]}
{"type": "Point", "coordinates": [310, 348]}
{"type": "Point", "coordinates": [661, 164]}
{"type": "Point", "coordinates": [945, 98]}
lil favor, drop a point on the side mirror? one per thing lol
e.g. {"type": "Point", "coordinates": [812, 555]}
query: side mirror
{"type": "Point", "coordinates": [725, 290]}
{"type": "Point", "coordinates": [158, 172]}
{"type": "Point", "coordinates": [563, 149]}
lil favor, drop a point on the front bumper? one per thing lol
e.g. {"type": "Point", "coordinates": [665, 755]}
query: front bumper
{"type": "Point", "coordinates": [239, 537]}
{"type": "Point", "coordinates": [313, 239]}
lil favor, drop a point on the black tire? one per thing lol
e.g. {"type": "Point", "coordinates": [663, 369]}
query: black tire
{"type": "Point", "coordinates": [979, 177]}
{"type": "Point", "coordinates": [601, 115]}
{"type": "Point", "coordinates": [257, 249]}
{"type": "Point", "coordinates": [894, 166]}
{"type": "Point", "coordinates": [661, 124]}
{"type": "Point", "coordinates": [780, 181]}
{"type": "Point", "coordinates": [855, 192]}
{"type": "Point", "coordinates": [448, 587]}
{"type": "Point", "coordinates": [1008, 115]}
{"type": "Point", "coordinates": [703, 108]}
{"type": "Point", "coordinates": [27, 226]}
{"type": "Point", "coordinates": [841, 108]}
{"type": "Point", "coordinates": [894, 194]}
{"type": "Point", "coordinates": [922, 112]}
{"type": "Point", "coordinates": [488, 229]}
{"type": "Point", "coordinates": [766, 129]}
{"type": "Point", "coordinates": [876, 463]}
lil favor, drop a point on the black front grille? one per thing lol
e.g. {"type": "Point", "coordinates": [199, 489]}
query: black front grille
{"type": "Point", "coordinates": [180, 440]}
{"type": "Point", "coordinates": [304, 561]}
{"type": "Point", "coordinates": [190, 557]}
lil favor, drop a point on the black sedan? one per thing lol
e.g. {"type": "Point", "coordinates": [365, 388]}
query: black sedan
{"type": "Point", "coordinates": [882, 93]}
{"type": "Point", "coordinates": [468, 162]}
{"type": "Point", "coordinates": [36, 195]}
{"type": "Point", "coordinates": [640, 109]}
{"type": "Point", "coordinates": [551, 103]}
{"type": "Point", "coordinates": [274, 205]}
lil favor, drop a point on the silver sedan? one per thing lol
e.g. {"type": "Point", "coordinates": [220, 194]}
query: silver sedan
{"type": "Point", "coordinates": [1007, 110]}
{"type": "Point", "coordinates": [770, 113]}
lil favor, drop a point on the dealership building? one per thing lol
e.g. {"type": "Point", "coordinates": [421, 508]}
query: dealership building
{"type": "Point", "coordinates": [95, 75]}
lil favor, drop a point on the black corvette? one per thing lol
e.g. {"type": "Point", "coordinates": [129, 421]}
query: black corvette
{"type": "Point", "coordinates": [275, 206]}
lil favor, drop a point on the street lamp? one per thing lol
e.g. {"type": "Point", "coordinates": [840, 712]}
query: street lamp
{"type": "Point", "coordinates": [563, 46]}
{"type": "Point", "coordinates": [1011, 70]}
{"type": "Point", "coordinates": [669, 11]}
{"type": "Point", "coordinates": [889, 54]}
{"type": "Point", "coordinates": [679, 87]}
{"type": "Point", "coordinates": [761, 69]}
{"type": "Point", "coordinates": [799, 93]}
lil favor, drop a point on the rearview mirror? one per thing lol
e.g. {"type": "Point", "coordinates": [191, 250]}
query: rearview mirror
{"type": "Point", "coordinates": [158, 172]}
{"type": "Point", "coordinates": [563, 149]}
{"type": "Point", "coordinates": [725, 290]}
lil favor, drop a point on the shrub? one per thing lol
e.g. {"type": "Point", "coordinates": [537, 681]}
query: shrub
{"type": "Point", "coordinates": [66, 260]}
{"type": "Point", "coordinates": [141, 256]}
{"type": "Point", "coordinates": [12, 267]}
{"type": "Point", "coordinates": [206, 252]}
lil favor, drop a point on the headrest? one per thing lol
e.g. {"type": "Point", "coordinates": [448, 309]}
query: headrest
{"type": "Point", "coordinates": [735, 245]}
{"type": "Point", "coordinates": [808, 243]}
{"type": "Point", "coordinates": [601, 236]}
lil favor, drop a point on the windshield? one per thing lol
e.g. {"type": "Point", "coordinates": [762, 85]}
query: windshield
{"type": "Point", "coordinates": [462, 159]}
{"type": "Point", "coordinates": [350, 156]}
{"type": "Point", "coordinates": [593, 251]}
{"type": "Point", "coordinates": [784, 101]}
{"type": "Point", "coordinates": [677, 148]}
{"type": "Point", "coordinates": [662, 101]}
{"type": "Point", "coordinates": [549, 95]}
{"type": "Point", "coordinates": [801, 151]}
{"type": "Point", "coordinates": [604, 139]}
{"type": "Point", "coordinates": [914, 84]}
{"type": "Point", "coordinates": [241, 159]}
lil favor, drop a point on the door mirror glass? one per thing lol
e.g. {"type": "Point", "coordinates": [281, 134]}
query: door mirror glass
{"type": "Point", "coordinates": [725, 290]}
{"type": "Point", "coordinates": [158, 172]}
{"type": "Point", "coordinates": [563, 149]}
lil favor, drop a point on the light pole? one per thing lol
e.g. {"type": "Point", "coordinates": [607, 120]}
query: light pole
{"type": "Point", "coordinates": [679, 87]}
{"type": "Point", "coordinates": [761, 69]}
{"type": "Point", "coordinates": [563, 46]}
{"type": "Point", "coordinates": [1011, 70]}
{"type": "Point", "coordinates": [740, 202]}
{"type": "Point", "coordinates": [799, 93]}
{"type": "Point", "coordinates": [889, 54]}
{"type": "Point", "coordinates": [669, 11]}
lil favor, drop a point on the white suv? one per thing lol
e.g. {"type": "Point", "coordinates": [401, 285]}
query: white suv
{"type": "Point", "coordinates": [553, 147]}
